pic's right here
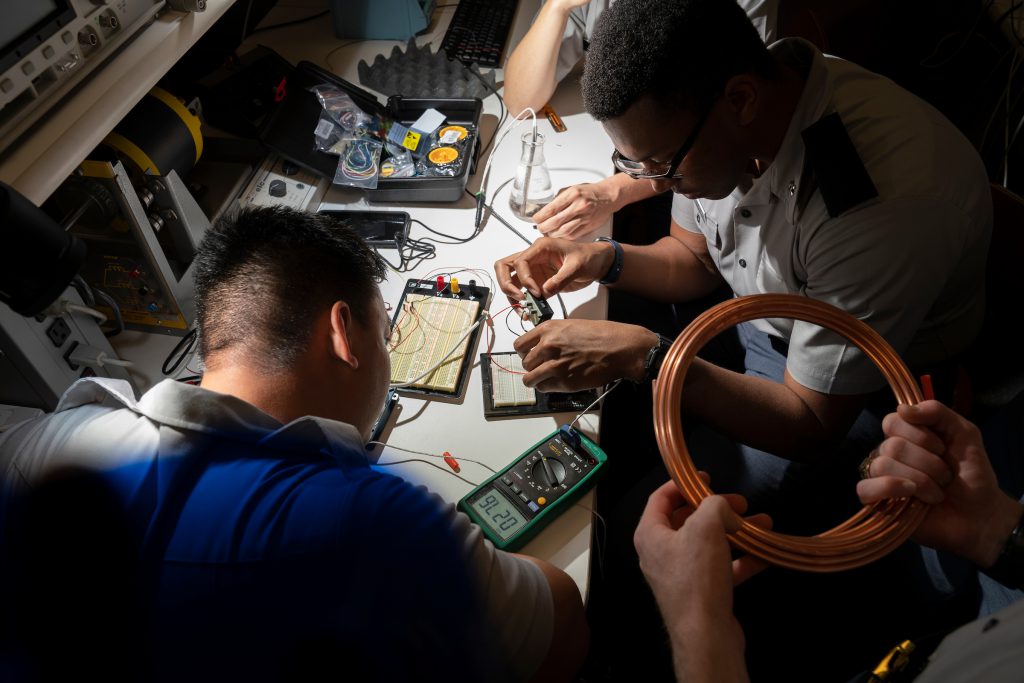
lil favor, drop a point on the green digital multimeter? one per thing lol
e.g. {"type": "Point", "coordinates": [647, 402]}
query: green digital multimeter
{"type": "Point", "coordinates": [516, 503]}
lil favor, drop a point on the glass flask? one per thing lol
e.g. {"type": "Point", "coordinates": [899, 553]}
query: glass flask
{"type": "Point", "coordinates": [532, 189]}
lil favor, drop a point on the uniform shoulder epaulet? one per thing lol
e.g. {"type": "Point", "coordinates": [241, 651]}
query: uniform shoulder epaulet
{"type": "Point", "coordinates": [837, 169]}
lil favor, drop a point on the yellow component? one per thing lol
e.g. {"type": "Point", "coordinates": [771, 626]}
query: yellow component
{"type": "Point", "coordinates": [443, 155]}
{"type": "Point", "coordinates": [97, 169]}
{"type": "Point", "coordinates": [411, 141]}
{"type": "Point", "coordinates": [190, 119]}
{"type": "Point", "coordinates": [896, 660]}
{"type": "Point", "coordinates": [542, 501]}
{"type": "Point", "coordinates": [455, 285]}
{"type": "Point", "coordinates": [132, 151]}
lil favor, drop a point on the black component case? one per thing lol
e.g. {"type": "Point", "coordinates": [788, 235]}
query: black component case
{"type": "Point", "coordinates": [289, 132]}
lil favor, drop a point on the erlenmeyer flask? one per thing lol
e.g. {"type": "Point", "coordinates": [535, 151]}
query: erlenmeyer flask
{"type": "Point", "coordinates": [532, 189]}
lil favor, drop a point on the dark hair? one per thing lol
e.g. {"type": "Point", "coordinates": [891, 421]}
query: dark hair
{"type": "Point", "coordinates": [680, 52]}
{"type": "Point", "coordinates": [263, 275]}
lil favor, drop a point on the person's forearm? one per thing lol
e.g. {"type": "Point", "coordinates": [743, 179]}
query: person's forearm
{"type": "Point", "coordinates": [625, 190]}
{"type": "Point", "coordinates": [707, 649]}
{"type": "Point", "coordinates": [665, 271]}
{"type": "Point", "coordinates": [530, 71]}
{"type": "Point", "coordinates": [994, 531]}
{"type": "Point", "coordinates": [757, 412]}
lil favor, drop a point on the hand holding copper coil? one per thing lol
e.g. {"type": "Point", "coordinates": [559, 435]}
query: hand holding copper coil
{"type": "Point", "coordinates": [870, 534]}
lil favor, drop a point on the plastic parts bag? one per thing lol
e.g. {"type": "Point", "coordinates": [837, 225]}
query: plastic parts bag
{"type": "Point", "coordinates": [358, 162]}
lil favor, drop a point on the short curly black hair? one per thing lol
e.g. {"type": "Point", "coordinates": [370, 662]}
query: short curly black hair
{"type": "Point", "coordinates": [263, 275]}
{"type": "Point", "coordinates": [681, 52]}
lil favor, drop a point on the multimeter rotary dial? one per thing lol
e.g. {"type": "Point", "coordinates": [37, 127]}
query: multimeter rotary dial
{"type": "Point", "coordinates": [550, 471]}
{"type": "Point", "coordinates": [545, 473]}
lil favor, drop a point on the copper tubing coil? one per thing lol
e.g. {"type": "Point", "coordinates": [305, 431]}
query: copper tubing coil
{"type": "Point", "coordinates": [870, 534]}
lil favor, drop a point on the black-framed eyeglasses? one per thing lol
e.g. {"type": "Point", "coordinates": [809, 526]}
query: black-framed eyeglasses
{"type": "Point", "coordinates": [664, 171]}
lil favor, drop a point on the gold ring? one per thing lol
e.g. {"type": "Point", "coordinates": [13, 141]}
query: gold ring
{"type": "Point", "coordinates": [865, 465]}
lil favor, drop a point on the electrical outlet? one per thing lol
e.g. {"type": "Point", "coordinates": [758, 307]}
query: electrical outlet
{"type": "Point", "coordinates": [58, 332]}
{"type": "Point", "coordinates": [67, 355]}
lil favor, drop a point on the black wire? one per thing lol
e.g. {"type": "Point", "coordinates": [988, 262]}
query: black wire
{"type": "Point", "coordinates": [89, 296]}
{"type": "Point", "coordinates": [84, 290]}
{"type": "Point", "coordinates": [411, 254]}
{"type": "Point", "coordinates": [517, 334]}
{"type": "Point", "coordinates": [457, 240]}
{"type": "Point", "coordinates": [492, 212]}
{"type": "Point", "coordinates": [289, 23]}
{"type": "Point", "coordinates": [187, 343]}
{"type": "Point", "coordinates": [115, 309]}
{"type": "Point", "coordinates": [419, 251]}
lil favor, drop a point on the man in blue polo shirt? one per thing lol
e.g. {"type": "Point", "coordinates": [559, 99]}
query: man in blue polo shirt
{"type": "Point", "coordinates": [267, 540]}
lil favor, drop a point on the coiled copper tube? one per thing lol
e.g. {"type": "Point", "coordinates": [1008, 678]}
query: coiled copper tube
{"type": "Point", "coordinates": [870, 534]}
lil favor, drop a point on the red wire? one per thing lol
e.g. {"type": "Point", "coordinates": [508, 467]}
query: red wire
{"type": "Point", "coordinates": [494, 362]}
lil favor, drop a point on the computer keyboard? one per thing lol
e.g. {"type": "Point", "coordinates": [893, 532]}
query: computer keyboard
{"type": "Point", "coordinates": [478, 31]}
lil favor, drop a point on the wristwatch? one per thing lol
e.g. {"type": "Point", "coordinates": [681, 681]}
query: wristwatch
{"type": "Point", "coordinates": [1009, 567]}
{"type": "Point", "coordinates": [616, 268]}
{"type": "Point", "coordinates": [655, 357]}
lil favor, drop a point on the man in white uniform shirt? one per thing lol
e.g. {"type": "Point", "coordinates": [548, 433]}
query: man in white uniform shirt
{"type": "Point", "coordinates": [793, 172]}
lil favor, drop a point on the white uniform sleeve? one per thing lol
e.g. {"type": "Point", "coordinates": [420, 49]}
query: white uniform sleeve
{"type": "Point", "coordinates": [683, 213]}
{"type": "Point", "coordinates": [570, 50]}
{"type": "Point", "coordinates": [887, 264]}
{"type": "Point", "coordinates": [515, 595]}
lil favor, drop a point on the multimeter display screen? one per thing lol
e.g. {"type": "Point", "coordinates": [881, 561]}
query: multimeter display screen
{"type": "Point", "coordinates": [501, 515]}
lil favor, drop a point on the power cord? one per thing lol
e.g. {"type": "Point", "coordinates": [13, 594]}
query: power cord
{"type": "Point", "coordinates": [89, 295]}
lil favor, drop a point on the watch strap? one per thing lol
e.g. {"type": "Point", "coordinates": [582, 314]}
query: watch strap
{"type": "Point", "coordinates": [612, 276]}
{"type": "Point", "coordinates": [655, 357]}
{"type": "Point", "coordinates": [1009, 566]}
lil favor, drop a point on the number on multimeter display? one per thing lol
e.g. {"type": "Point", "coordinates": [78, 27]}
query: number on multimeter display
{"type": "Point", "coordinates": [514, 504]}
{"type": "Point", "coordinates": [504, 517]}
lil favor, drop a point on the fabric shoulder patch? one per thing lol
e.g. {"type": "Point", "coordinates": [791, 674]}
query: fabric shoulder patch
{"type": "Point", "coordinates": [833, 160]}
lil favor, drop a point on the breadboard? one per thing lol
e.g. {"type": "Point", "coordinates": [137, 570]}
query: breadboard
{"type": "Point", "coordinates": [507, 388]}
{"type": "Point", "coordinates": [499, 368]}
{"type": "Point", "coordinates": [427, 329]}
